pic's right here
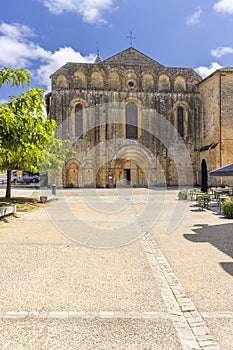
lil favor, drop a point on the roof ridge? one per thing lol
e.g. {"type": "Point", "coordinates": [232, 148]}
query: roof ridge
{"type": "Point", "coordinates": [126, 57]}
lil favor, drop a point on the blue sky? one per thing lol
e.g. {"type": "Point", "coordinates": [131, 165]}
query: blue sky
{"type": "Point", "coordinates": [42, 35]}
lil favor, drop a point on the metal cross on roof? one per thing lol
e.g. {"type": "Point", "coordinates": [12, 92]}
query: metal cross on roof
{"type": "Point", "coordinates": [97, 49]}
{"type": "Point", "coordinates": [131, 37]}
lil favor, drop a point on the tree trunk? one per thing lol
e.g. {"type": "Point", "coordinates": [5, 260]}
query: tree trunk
{"type": "Point", "coordinates": [8, 185]}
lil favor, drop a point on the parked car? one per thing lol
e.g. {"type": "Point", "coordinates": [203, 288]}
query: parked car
{"type": "Point", "coordinates": [29, 177]}
{"type": "Point", "coordinates": [26, 178]}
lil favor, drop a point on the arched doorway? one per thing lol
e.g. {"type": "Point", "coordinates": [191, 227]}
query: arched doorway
{"type": "Point", "coordinates": [204, 176]}
{"type": "Point", "coordinates": [133, 165]}
{"type": "Point", "coordinates": [87, 174]}
{"type": "Point", "coordinates": [128, 173]}
{"type": "Point", "coordinates": [72, 174]}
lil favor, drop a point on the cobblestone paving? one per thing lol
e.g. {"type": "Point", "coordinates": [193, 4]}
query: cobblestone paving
{"type": "Point", "coordinates": [57, 294]}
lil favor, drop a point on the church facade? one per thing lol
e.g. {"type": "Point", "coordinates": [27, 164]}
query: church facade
{"type": "Point", "coordinates": [132, 121]}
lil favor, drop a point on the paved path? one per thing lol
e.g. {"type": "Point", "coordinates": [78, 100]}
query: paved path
{"type": "Point", "coordinates": [107, 269]}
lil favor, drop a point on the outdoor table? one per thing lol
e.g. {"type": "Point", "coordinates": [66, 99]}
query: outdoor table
{"type": "Point", "coordinates": [194, 193]}
{"type": "Point", "coordinates": [218, 192]}
{"type": "Point", "coordinates": [227, 190]}
{"type": "Point", "coordinates": [222, 191]}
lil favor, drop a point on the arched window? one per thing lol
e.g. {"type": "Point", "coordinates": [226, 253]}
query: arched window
{"type": "Point", "coordinates": [131, 121]}
{"type": "Point", "coordinates": [79, 121]}
{"type": "Point", "coordinates": [180, 121]}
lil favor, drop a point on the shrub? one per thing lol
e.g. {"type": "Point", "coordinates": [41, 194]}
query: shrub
{"type": "Point", "coordinates": [227, 208]}
{"type": "Point", "coordinates": [183, 194]}
{"type": "Point", "coordinates": [203, 200]}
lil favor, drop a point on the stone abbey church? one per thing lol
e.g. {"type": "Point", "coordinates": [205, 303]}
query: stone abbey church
{"type": "Point", "coordinates": [132, 121]}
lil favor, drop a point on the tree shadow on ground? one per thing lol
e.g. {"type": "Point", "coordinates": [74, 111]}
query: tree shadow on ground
{"type": "Point", "coordinates": [228, 267]}
{"type": "Point", "coordinates": [220, 236]}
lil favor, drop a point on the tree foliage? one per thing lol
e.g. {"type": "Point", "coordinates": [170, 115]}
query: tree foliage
{"type": "Point", "coordinates": [16, 77]}
{"type": "Point", "coordinates": [24, 129]}
{"type": "Point", "coordinates": [54, 154]}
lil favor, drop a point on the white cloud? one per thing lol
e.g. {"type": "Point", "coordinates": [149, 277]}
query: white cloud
{"type": "Point", "coordinates": [205, 71]}
{"type": "Point", "coordinates": [195, 17]}
{"type": "Point", "coordinates": [57, 59]}
{"type": "Point", "coordinates": [15, 48]}
{"type": "Point", "coordinates": [16, 30]}
{"type": "Point", "coordinates": [17, 51]}
{"type": "Point", "coordinates": [92, 11]}
{"type": "Point", "coordinates": [224, 6]}
{"type": "Point", "coordinates": [221, 51]}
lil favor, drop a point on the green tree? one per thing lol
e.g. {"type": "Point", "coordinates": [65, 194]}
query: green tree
{"type": "Point", "coordinates": [24, 129]}
{"type": "Point", "coordinates": [54, 155]}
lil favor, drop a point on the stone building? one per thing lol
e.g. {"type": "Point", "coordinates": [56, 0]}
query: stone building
{"type": "Point", "coordinates": [216, 122]}
{"type": "Point", "coordinates": [133, 121]}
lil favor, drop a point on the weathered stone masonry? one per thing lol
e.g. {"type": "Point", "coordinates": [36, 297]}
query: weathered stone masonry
{"type": "Point", "coordinates": [133, 121]}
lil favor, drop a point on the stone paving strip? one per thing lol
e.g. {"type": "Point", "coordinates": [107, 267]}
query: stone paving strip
{"type": "Point", "coordinates": [104, 314]}
{"type": "Point", "coordinates": [191, 329]}
{"type": "Point", "coordinates": [219, 314]}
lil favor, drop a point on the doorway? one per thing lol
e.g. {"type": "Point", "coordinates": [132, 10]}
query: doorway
{"type": "Point", "coordinates": [72, 175]}
{"type": "Point", "coordinates": [128, 176]}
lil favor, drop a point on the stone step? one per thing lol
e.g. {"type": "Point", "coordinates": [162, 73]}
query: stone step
{"type": "Point", "coordinates": [7, 210]}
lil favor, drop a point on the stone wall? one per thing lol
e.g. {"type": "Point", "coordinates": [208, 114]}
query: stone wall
{"type": "Point", "coordinates": [216, 131]}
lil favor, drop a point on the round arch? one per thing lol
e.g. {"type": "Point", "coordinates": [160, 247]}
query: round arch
{"type": "Point", "coordinates": [164, 82]}
{"type": "Point", "coordinates": [72, 173]}
{"type": "Point", "coordinates": [134, 164]}
{"type": "Point", "coordinates": [87, 173]}
{"type": "Point", "coordinates": [114, 80]}
{"type": "Point", "coordinates": [180, 83]}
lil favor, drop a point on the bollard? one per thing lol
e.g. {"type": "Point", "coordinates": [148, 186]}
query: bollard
{"type": "Point", "coordinates": [54, 188]}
